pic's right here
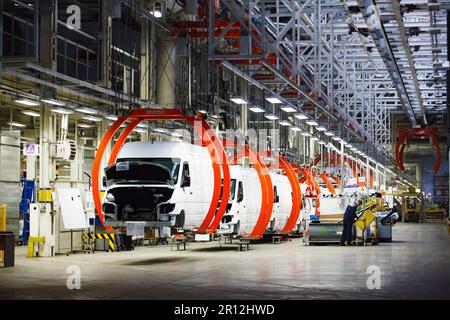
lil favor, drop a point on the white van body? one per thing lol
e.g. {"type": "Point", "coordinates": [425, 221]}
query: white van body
{"type": "Point", "coordinates": [243, 213]}
{"type": "Point", "coordinates": [132, 195]}
{"type": "Point", "coordinates": [282, 205]}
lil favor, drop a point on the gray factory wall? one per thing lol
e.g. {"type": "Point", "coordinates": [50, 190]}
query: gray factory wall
{"type": "Point", "coordinates": [10, 191]}
{"type": "Point", "coordinates": [428, 174]}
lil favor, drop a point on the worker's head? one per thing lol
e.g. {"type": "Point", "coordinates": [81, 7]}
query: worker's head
{"type": "Point", "coordinates": [358, 202]}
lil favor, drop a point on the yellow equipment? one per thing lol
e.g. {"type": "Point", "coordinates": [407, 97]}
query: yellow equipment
{"type": "Point", "coordinates": [2, 224]}
{"type": "Point", "coordinates": [2, 217]}
{"type": "Point", "coordinates": [31, 242]}
{"type": "Point", "coordinates": [412, 208]}
{"type": "Point", "coordinates": [365, 220]}
{"type": "Point", "coordinates": [435, 213]}
{"type": "Point", "coordinates": [412, 204]}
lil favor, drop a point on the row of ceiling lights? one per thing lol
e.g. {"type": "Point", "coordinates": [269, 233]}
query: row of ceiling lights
{"type": "Point", "coordinates": [289, 109]}
{"type": "Point", "coordinates": [59, 108]}
{"type": "Point", "coordinates": [90, 115]}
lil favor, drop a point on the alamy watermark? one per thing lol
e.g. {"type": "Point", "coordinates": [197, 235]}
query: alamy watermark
{"type": "Point", "coordinates": [74, 278]}
{"type": "Point", "coordinates": [374, 280]}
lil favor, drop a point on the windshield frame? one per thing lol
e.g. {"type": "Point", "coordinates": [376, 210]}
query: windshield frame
{"type": "Point", "coordinates": [174, 171]}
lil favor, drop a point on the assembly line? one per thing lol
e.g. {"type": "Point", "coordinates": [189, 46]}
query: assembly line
{"type": "Point", "coordinates": [224, 149]}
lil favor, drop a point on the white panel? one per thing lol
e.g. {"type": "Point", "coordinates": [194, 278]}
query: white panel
{"type": "Point", "coordinates": [72, 210]}
{"type": "Point", "coordinates": [34, 220]}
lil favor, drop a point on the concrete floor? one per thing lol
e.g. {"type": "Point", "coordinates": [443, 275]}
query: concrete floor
{"type": "Point", "coordinates": [415, 266]}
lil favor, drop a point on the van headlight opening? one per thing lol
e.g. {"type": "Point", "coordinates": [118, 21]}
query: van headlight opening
{"type": "Point", "coordinates": [110, 197]}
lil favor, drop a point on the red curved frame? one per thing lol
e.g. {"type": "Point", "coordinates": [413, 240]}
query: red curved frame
{"type": "Point", "coordinates": [209, 139]}
{"type": "Point", "coordinates": [266, 190]}
{"type": "Point", "coordinates": [325, 178]}
{"type": "Point", "coordinates": [357, 169]}
{"type": "Point", "coordinates": [296, 191]}
{"type": "Point", "coordinates": [415, 133]}
{"type": "Point", "coordinates": [296, 195]}
{"type": "Point", "coordinates": [308, 178]}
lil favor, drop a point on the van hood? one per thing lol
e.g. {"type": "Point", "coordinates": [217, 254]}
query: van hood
{"type": "Point", "coordinates": [138, 172]}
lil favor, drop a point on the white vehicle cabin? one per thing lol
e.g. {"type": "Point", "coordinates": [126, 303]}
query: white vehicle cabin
{"type": "Point", "coordinates": [162, 183]}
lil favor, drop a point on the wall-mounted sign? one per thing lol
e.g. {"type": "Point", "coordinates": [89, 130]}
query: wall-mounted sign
{"type": "Point", "coordinates": [31, 149]}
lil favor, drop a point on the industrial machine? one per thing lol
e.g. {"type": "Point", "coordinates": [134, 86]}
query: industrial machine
{"type": "Point", "coordinates": [410, 205]}
{"type": "Point", "coordinates": [374, 224]}
{"type": "Point", "coordinates": [327, 227]}
{"type": "Point", "coordinates": [435, 213]}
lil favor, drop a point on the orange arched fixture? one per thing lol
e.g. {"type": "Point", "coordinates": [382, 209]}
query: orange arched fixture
{"type": "Point", "coordinates": [325, 178]}
{"type": "Point", "coordinates": [308, 178]}
{"type": "Point", "coordinates": [357, 169]}
{"type": "Point", "coordinates": [296, 192]}
{"type": "Point", "coordinates": [336, 180]}
{"type": "Point", "coordinates": [296, 195]}
{"type": "Point", "coordinates": [266, 188]}
{"type": "Point", "coordinates": [406, 134]}
{"type": "Point", "coordinates": [209, 139]}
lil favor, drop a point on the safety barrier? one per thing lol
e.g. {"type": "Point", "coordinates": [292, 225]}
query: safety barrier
{"type": "Point", "coordinates": [103, 236]}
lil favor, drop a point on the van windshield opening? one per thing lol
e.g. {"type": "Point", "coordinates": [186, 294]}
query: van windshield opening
{"type": "Point", "coordinates": [172, 164]}
{"type": "Point", "coordinates": [232, 189]}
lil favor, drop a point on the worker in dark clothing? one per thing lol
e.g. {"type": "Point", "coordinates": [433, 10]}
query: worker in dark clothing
{"type": "Point", "coordinates": [349, 219]}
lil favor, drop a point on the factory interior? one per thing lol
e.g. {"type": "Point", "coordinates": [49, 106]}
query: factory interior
{"type": "Point", "coordinates": [294, 149]}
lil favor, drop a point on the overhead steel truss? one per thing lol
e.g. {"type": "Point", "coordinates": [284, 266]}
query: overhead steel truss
{"type": "Point", "coordinates": [411, 38]}
{"type": "Point", "coordinates": [306, 51]}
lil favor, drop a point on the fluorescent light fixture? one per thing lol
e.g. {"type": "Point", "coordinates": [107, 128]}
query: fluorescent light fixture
{"type": "Point", "coordinates": [314, 139]}
{"type": "Point", "coordinates": [320, 128]}
{"type": "Point", "coordinates": [26, 102]}
{"type": "Point", "coordinates": [160, 130]}
{"type": "Point", "coordinates": [202, 111]}
{"type": "Point", "coordinates": [84, 125]}
{"type": "Point", "coordinates": [329, 134]}
{"type": "Point", "coordinates": [86, 110]}
{"type": "Point", "coordinates": [337, 139]}
{"type": "Point", "coordinates": [312, 123]}
{"type": "Point", "coordinates": [92, 118]}
{"type": "Point", "coordinates": [295, 128]}
{"type": "Point", "coordinates": [139, 130]}
{"type": "Point", "coordinates": [156, 13]}
{"type": "Point", "coordinates": [61, 111]}
{"type": "Point", "coordinates": [177, 134]}
{"type": "Point", "coordinates": [285, 123]}
{"type": "Point", "coordinates": [306, 134]}
{"type": "Point", "coordinates": [271, 116]}
{"type": "Point", "coordinates": [238, 100]}
{"type": "Point", "coordinates": [31, 113]}
{"type": "Point", "coordinates": [300, 116]}
{"type": "Point", "coordinates": [288, 109]}
{"type": "Point", "coordinates": [16, 124]}
{"type": "Point", "coordinates": [256, 109]}
{"type": "Point", "coordinates": [273, 100]}
{"type": "Point", "coordinates": [111, 117]}
{"type": "Point", "coordinates": [321, 142]}
{"type": "Point", "coordinates": [142, 125]}
{"type": "Point", "coordinates": [54, 102]}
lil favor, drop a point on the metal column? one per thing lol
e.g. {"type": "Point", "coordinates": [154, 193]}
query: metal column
{"type": "Point", "coordinates": [46, 172]}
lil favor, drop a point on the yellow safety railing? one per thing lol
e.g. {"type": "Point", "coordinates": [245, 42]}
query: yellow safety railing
{"type": "Point", "coordinates": [31, 242]}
